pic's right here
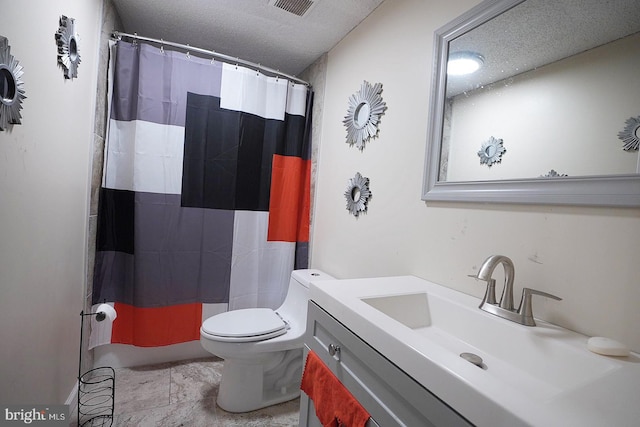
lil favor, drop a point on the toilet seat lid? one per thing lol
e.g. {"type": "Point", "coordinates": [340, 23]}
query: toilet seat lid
{"type": "Point", "coordinates": [250, 323]}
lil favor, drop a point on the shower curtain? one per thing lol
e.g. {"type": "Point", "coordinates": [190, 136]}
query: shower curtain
{"type": "Point", "coordinates": [204, 203]}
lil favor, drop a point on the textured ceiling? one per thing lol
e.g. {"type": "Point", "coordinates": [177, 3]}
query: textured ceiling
{"type": "Point", "coordinates": [539, 32]}
{"type": "Point", "coordinates": [253, 30]}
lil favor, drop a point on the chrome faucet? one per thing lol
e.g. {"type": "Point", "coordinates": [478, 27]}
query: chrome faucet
{"type": "Point", "coordinates": [524, 313]}
{"type": "Point", "coordinates": [485, 272]}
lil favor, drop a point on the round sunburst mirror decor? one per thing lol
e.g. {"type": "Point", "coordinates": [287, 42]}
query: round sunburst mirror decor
{"type": "Point", "coordinates": [357, 194]}
{"type": "Point", "coordinates": [11, 87]}
{"type": "Point", "coordinates": [491, 151]}
{"type": "Point", "coordinates": [68, 50]}
{"type": "Point", "coordinates": [630, 136]}
{"type": "Point", "coordinates": [363, 115]}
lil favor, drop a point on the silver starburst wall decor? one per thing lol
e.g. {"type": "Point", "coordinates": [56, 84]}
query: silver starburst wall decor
{"type": "Point", "coordinates": [363, 114]}
{"type": "Point", "coordinates": [491, 151]}
{"type": "Point", "coordinates": [357, 194]}
{"type": "Point", "coordinates": [68, 49]}
{"type": "Point", "coordinates": [11, 87]}
{"type": "Point", "coordinates": [630, 136]}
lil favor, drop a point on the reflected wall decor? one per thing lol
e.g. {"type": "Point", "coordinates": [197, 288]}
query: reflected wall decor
{"type": "Point", "coordinates": [491, 151]}
{"type": "Point", "coordinates": [631, 134]}
{"type": "Point", "coordinates": [11, 87]}
{"type": "Point", "coordinates": [553, 174]}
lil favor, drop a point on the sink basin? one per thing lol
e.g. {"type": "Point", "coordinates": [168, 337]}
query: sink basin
{"type": "Point", "coordinates": [537, 362]}
{"type": "Point", "coordinates": [529, 376]}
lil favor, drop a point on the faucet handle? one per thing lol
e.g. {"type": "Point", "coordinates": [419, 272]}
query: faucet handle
{"type": "Point", "coordinates": [525, 309]}
{"type": "Point", "coordinates": [490, 293]}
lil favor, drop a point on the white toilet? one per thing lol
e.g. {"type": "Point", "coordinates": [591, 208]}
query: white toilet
{"type": "Point", "coordinates": [261, 348]}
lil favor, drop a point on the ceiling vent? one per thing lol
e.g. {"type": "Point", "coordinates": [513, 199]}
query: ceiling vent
{"type": "Point", "coordinates": [297, 7]}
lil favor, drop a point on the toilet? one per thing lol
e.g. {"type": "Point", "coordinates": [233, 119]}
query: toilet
{"type": "Point", "coordinates": [261, 348]}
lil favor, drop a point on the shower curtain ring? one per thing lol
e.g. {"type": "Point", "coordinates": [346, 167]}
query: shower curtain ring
{"type": "Point", "coordinates": [162, 46]}
{"type": "Point", "coordinates": [188, 54]}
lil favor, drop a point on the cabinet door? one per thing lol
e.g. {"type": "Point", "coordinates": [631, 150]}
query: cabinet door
{"type": "Point", "coordinates": [307, 411]}
{"type": "Point", "coordinates": [308, 416]}
{"type": "Point", "coordinates": [391, 397]}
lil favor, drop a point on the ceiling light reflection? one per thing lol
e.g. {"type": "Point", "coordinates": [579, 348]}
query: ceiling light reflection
{"type": "Point", "coordinates": [462, 63]}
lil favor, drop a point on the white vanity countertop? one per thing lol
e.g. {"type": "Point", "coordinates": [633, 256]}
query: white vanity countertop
{"type": "Point", "coordinates": [607, 394]}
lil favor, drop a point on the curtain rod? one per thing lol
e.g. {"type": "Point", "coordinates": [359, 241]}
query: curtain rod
{"type": "Point", "coordinates": [119, 35]}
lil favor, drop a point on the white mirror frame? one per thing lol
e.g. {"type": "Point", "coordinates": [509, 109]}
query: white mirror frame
{"type": "Point", "coordinates": [598, 190]}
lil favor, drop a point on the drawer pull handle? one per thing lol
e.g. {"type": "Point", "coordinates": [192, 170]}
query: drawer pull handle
{"type": "Point", "coordinates": [334, 349]}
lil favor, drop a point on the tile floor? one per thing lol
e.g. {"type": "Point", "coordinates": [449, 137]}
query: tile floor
{"type": "Point", "coordinates": [183, 394]}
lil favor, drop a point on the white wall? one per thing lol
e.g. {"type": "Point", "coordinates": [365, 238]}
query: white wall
{"type": "Point", "coordinates": [553, 117]}
{"type": "Point", "coordinates": [588, 256]}
{"type": "Point", "coordinates": [44, 177]}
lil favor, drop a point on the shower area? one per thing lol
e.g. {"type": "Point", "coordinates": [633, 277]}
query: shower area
{"type": "Point", "coordinates": [184, 225]}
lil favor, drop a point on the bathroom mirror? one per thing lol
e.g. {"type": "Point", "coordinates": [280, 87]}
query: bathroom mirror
{"type": "Point", "coordinates": [558, 82]}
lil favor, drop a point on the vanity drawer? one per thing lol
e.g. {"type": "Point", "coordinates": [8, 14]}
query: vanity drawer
{"type": "Point", "coordinates": [391, 397]}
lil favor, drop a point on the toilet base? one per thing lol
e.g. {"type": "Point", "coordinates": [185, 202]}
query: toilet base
{"type": "Point", "coordinates": [248, 384]}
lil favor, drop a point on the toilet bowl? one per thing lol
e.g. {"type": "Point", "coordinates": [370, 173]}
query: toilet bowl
{"type": "Point", "coordinates": [261, 348]}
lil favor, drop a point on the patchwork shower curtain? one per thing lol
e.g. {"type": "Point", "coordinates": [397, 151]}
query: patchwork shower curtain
{"type": "Point", "coordinates": [204, 204]}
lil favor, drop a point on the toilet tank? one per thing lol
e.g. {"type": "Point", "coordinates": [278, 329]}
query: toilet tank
{"type": "Point", "coordinates": [294, 307]}
{"type": "Point", "coordinates": [304, 277]}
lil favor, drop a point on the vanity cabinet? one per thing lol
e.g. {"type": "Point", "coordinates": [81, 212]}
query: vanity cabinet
{"type": "Point", "coordinates": [391, 397]}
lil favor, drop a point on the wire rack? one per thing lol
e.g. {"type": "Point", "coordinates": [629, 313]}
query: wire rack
{"type": "Point", "coordinates": [96, 390]}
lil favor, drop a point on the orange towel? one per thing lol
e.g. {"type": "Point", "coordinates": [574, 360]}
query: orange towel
{"type": "Point", "coordinates": [335, 406]}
